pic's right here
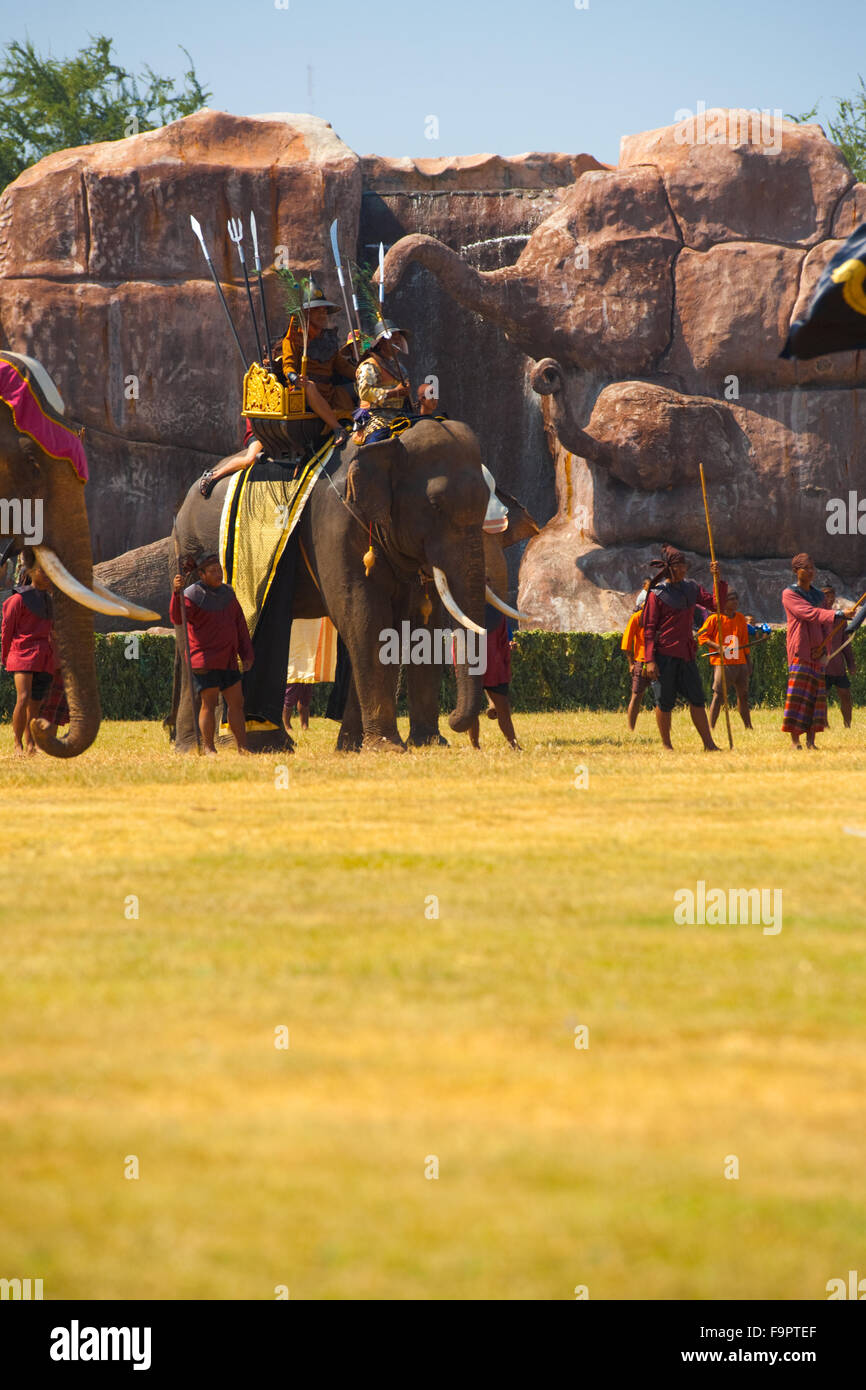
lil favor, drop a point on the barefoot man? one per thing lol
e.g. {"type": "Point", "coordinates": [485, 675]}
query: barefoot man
{"type": "Point", "coordinates": [810, 628]}
{"type": "Point", "coordinates": [670, 641]}
{"type": "Point", "coordinates": [218, 639]}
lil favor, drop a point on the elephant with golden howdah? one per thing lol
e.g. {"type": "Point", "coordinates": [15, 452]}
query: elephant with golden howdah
{"type": "Point", "coordinates": [423, 499]}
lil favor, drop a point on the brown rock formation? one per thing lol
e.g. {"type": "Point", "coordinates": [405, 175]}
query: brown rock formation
{"type": "Point", "coordinates": [657, 297]}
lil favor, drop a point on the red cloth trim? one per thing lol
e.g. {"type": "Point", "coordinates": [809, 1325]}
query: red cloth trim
{"type": "Point", "coordinates": [58, 440]}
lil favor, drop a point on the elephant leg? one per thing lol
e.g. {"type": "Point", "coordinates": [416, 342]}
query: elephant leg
{"type": "Point", "coordinates": [185, 708]}
{"type": "Point", "coordinates": [351, 734]}
{"type": "Point", "coordinates": [423, 684]}
{"type": "Point", "coordinates": [375, 681]}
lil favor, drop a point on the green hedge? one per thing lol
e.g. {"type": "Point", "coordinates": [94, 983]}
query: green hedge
{"type": "Point", "coordinates": [551, 670]}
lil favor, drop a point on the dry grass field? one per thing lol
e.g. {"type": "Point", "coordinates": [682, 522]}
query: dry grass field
{"type": "Point", "coordinates": [412, 1037]}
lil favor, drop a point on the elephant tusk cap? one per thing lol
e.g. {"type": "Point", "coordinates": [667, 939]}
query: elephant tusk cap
{"type": "Point", "coordinates": [59, 575]}
{"type": "Point", "coordinates": [451, 603]}
{"type": "Point", "coordinates": [504, 607]}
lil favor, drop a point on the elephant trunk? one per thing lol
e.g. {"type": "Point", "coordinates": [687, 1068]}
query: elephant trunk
{"type": "Point", "coordinates": [546, 379]}
{"type": "Point", "coordinates": [73, 633]}
{"type": "Point", "coordinates": [464, 571]}
{"type": "Point", "coordinates": [497, 295]}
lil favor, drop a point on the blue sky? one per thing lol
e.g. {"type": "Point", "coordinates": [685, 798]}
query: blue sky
{"type": "Point", "coordinates": [498, 75]}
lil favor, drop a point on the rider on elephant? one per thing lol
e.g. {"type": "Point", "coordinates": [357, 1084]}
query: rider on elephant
{"type": "Point", "coordinates": [324, 362]}
{"type": "Point", "coordinates": [383, 388]}
{"type": "Point", "coordinates": [325, 398]}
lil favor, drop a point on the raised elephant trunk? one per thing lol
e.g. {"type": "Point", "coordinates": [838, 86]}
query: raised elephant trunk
{"type": "Point", "coordinates": [497, 295]}
{"type": "Point", "coordinates": [73, 634]}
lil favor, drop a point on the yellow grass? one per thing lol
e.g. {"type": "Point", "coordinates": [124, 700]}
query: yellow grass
{"type": "Point", "coordinates": [413, 1037]}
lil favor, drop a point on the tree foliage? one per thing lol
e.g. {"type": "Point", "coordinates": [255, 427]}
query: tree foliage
{"type": "Point", "coordinates": [49, 104]}
{"type": "Point", "coordinates": [847, 129]}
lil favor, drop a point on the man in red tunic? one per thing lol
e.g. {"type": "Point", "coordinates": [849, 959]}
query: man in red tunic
{"type": "Point", "coordinates": [218, 639]}
{"type": "Point", "coordinates": [810, 627]}
{"type": "Point", "coordinates": [28, 651]}
{"type": "Point", "coordinates": [669, 640]}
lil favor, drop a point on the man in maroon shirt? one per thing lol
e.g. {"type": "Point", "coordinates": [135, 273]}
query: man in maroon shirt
{"type": "Point", "coordinates": [218, 637]}
{"type": "Point", "coordinates": [669, 640]}
{"type": "Point", "coordinates": [27, 646]}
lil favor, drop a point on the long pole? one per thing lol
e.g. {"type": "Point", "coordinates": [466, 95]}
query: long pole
{"type": "Point", "coordinates": [720, 632]}
{"type": "Point", "coordinates": [258, 269]}
{"type": "Point", "coordinates": [236, 234]}
{"type": "Point", "coordinates": [196, 226]}
{"type": "Point", "coordinates": [186, 652]}
{"type": "Point", "coordinates": [335, 248]}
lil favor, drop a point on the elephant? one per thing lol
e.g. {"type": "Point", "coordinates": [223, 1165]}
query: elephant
{"type": "Point", "coordinates": [420, 500]}
{"type": "Point", "coordinates": [43, 507]}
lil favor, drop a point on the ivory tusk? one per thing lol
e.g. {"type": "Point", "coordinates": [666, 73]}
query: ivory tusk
{"type": "Point", "coordinates": [59, 575]}
{"type": "Point", "coordinates": [504, 607]}
{"type": "Point", "coordinates": [132, 610]}
{"type": "Point", "coordinates": [451, 603]}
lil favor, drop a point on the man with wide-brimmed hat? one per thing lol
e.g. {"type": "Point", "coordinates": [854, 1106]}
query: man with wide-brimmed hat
{"type": "Point", "coordinates": [325, 360]}
{"type": "Point", "coordinates": [382, 385]}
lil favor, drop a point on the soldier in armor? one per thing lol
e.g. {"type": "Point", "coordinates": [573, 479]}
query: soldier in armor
{"type": "Point", "coordinates": [383, 387]}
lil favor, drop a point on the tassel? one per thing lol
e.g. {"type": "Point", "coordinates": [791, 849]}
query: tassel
{"type": "Point", "coordinates": [426, 607]}
{"type": "Point", "coordinates": [370, 555]}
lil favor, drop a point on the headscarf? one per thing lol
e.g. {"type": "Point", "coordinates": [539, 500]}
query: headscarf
{"type": "Point", "coordinates": [664, 567]}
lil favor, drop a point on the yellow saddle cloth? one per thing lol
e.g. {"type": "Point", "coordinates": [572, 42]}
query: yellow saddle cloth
{"type": "Point", "coordinates": [258, 517]}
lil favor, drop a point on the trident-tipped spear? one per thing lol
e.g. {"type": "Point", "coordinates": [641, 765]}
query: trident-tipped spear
{"type": "Point", "coordinates": [335, 247]}
{"type": "Point", "coordinates": [258, 267]}
{"type": "Point", "coordinates": [236, 233]}
{"type": "Point", "coordinates": [196, 226]}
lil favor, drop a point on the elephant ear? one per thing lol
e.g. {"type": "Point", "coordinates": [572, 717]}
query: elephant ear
{"type": "Point", "coordinates": [369, 479]}
{"type": "Point", "coordinates": [520, 524]}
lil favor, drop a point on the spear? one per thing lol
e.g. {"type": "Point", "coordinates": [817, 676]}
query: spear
{"type": "Point", "coordinates": [196, 226]}
{"type": "Point", "coordinates": [335, 247]}
{"type": "Point", "coordinates": [382, 290]}
{"type": "Point", "coordinates": [719, 631]}
{"type": "Point", "coordinates": [258, 268]}
{"type": "Point", "coordinates": [236, 233]}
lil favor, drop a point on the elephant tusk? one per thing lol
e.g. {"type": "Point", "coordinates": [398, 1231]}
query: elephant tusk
{"type": "Point", "coordinates": [504, 607]}
{"type": "Point", "coordinates": [451, 603]}
{"type": "Point", "coordinates": [132, 610]}
{"type": "Point", "coordinates": [59, 575]}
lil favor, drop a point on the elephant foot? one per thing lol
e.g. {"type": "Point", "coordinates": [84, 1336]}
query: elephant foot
{"type": "Point", "coordinates": [377, 743]}
{"type": "Point", "coordinates": [348, 742]}
{"type": "Point", "coordinates": [423, 738]}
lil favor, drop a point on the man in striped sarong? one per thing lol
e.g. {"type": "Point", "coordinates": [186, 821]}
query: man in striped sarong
{"type": "Point", "coordinates": [810, 625]}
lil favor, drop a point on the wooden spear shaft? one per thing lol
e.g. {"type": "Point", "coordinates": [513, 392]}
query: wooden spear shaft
{"type": "Point", "coordinates": [720, 633]}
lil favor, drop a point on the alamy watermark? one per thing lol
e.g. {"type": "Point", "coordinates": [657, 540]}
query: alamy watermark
{"type": "Point", "coordinates": [762, 129]}
{"type": "Point", "coordinates": [735, 907]}
{"type": "Point", "coordinates": [846, 516]}
{"type": "Point", "coordinates": [422, 647]}
{"type": "Point", "coordinates": [22, 516]}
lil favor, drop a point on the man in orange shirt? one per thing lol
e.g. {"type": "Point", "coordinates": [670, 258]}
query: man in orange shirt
{"type": "Point", "coordinates": [738, 659]}
{"type": "Point", "coordinates": [633, 646]}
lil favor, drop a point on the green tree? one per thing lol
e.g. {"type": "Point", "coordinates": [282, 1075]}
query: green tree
{"type": "Point", "coordinates": [847, 129]}
{"type": "Point", "coordinates": [49, 104]}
